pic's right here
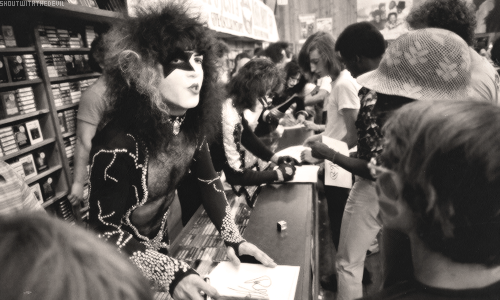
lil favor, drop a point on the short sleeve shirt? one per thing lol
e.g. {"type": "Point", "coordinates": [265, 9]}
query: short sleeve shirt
{"type": "Point", "coordinates": [344, 95]}
{"type": "Point", "coordinates": [15, 195]}
{"type": "Point", "coordinates": [93, 104]}
{"type": "Point", "coordinates": [325, 83]}
{"type": "Point", "coordinates": [369, 134]}
{"type": "Point", "coordinates": [485, 81]}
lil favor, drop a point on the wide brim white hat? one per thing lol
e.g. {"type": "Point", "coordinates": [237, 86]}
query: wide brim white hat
{"type": "Point", "coordinates": [424, 64]}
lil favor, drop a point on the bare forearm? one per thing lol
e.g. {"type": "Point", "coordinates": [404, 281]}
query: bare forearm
{"type": "Point", "coordinates": [350, 140]}
{"type": "Point", "coordinates": [81, 160]}
{"type": "Point", "coordinates": [319, 97]}
{"type": "Point", "coordinates": [356, 166]}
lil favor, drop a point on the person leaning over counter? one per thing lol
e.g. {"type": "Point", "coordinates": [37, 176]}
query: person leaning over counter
{"type": "Point", "coordinates": [162, 84]}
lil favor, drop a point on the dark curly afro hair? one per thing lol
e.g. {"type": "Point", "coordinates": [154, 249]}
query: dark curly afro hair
{"type": "Point", "coordinates": [136, 47]}
{"type": "Point", "coordinates": [453, 15]}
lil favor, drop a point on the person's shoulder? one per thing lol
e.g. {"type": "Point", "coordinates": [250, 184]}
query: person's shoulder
{"type": "Point", "coordinates": [345, 80]}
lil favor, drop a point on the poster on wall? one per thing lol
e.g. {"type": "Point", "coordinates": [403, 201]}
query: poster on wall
{"type": "Point", "coordinates": [487, 15]}
{"type": "Point", "coordinates": [306, 26]}
{"type": "Point", "coordinates": [324, 24]}
{"type": "Point", "coordinates": [249, 18]}
{"type": "Point", "coordinates": [388, 16]}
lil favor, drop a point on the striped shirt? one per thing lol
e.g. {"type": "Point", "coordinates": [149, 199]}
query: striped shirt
{"type": "Point", "coordinates": [15, 195]}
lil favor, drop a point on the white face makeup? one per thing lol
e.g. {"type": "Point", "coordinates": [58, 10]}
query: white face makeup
{"type": "Point", "coordinates": [182, 85]}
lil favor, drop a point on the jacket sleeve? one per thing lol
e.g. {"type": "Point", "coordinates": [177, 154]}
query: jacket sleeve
{"type": "Point", "coordinates": [214, 199]}
{"type": "Point", "coordinates": [248, 177]}
{"type": "Point", "coordinates": [253, 144]}
{"type": "Point", "coordinates": [110, 209]}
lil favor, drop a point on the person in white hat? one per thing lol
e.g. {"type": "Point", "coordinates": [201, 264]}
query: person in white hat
{"type": "Point", "coordinates": [424, 64]}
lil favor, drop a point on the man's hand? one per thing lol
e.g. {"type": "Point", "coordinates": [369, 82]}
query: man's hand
{"type": "Point", "coordinates": [301, 118]}
{"type": "Point", "coordinates": [287, 172]}
{"type": "Point", "coordinates": [189, 288]}
{"type": "Point", "coordinates": [288, 160]}
{"type": "Point", "coordinates": [250, 249]}
{"type": "Point", "coordinates": [311, 125]}
{"type": "Point", "coordinates": [76, 195]}
{"type": "Point", "coordinates": [307, 157]}
{"type": "Point", "coordinates": [321, 151]}
{"type": "Point", "coordinates": [310, 140]}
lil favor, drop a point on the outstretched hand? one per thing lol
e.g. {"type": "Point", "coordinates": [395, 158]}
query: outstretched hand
{"type": "Point", "coordinates": [189, 288]}
{"type": "Point", "coordinates": [321, 151]}
{"type": "Point", "coordinates": [250, 249]}
{"type": "Point", "coordinates": [311, 125]}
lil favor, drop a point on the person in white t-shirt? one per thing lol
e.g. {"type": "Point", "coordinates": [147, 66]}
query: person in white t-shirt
{"type": "Point", "coordinates": [342, 103]}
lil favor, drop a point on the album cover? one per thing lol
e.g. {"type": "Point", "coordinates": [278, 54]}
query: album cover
{"type": "Point", "coordinates": [8, 104]}
{"type": "Point", "coordinates": [38, 192]}
{"type": "Point", "coordinates": [40, 160]}
{"type": "Point", "coordinates": [8, 35]}
{"type": "Point", "coordinates": [34, 131]}
{"type": "Point", "coordinates": [29, 167]}
{"type": "Point", "coordinates": [21, 136]}
{"type": "Point", "coordinates": [16, 68]}
{"type": "Point", "coordinates": [48, 188]}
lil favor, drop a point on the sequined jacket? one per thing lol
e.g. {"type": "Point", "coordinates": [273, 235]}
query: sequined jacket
{"type": "Point", "coordinates": [242, 156]}
{"type": "Point", "coordinates": [118, 186]}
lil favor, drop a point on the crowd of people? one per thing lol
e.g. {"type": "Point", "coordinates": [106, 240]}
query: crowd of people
{"type": "Point", "coordinates": [166, 119]}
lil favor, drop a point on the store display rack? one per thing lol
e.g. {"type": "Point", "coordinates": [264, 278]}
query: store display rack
{"type": "Point", "coordinates": [43, 71]}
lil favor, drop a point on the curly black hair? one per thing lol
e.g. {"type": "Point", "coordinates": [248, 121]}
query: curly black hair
{"type": "Point", "coordinates": [136, 47]}
{"type": "Point", "coordinates": [453, 15]}
{"type": "Point", "coordinates": [275, 51]}
{"type": "Point", "coordinates": [253, 81]}
{"type": "Point", "coordinates": [360, 39]}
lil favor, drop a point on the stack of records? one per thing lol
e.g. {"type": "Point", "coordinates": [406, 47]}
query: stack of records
{"type": "Point", "coordinates": [8, 141]}
{"type": "Point", "coordinates": [25, 100]}
{"type": "Point", "coordinates": [30, 67]}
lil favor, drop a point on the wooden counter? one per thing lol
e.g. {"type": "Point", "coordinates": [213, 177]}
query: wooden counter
{"type": "Point", "coordinates": [294, 203]}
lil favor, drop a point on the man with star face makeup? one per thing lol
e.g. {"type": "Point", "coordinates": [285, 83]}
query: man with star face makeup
{"type": "Point", "coordinates": [162, 86]}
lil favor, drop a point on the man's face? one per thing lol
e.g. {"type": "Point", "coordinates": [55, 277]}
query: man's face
{"type": "Point", "coordinates": [181, 85]}
{"type": "Point", "coordinates": [392, 19]}
{"type": "Point", "coordinates": [352, 65]}
{"type": "Point", "coordinates": [377, 18]}
{"type": "Point", "coordinates": [318, 65]}
{"type": "Point", "coordinates": [292, 81]}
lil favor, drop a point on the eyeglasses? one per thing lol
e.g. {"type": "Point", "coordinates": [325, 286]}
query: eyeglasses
{"type": "Point", "coordinates": [388, 182]}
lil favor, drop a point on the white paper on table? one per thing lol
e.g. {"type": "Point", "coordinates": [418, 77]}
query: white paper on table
{"type": "Point", "coordinates": [277, 283]}
{"type": "Point", "coordinates": [334, 174]}
{"type": "Point", "coordinates": [305, 174]}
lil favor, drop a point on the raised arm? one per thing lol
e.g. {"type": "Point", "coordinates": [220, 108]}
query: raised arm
{"type": "Point", "coordinates": [218, 209]}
